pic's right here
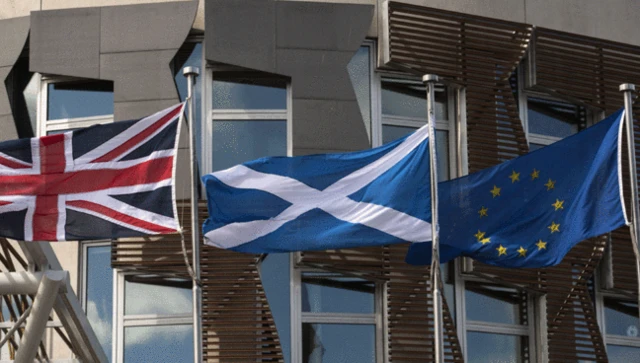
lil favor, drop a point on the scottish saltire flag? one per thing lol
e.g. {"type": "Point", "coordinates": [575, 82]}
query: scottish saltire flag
{"type": "Point", "coordinates": [367, 198]}
{"type": "Point", "coordinates": [104, 181]}
{"type": "Point", "coordinates": [530, 211]}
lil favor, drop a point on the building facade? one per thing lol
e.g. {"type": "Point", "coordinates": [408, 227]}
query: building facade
{"type": "Point", "coordinates": [303, 77]}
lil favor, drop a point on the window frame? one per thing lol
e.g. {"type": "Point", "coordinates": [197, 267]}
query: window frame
{"type": "Point", "coordinates": [612, 339]}
{"type": "Point", "coordinates": [44, 126]}
{"type": "Point", "coordinates": [464, 325]}
{"type": "Point", "coordinates": [211, 115]}
{"type": "Point", "coordinates": [123, 321]}
{"type": "Point", "coordinates": [298, 317]}
{"type": "Point", "coordinates": [449, 125]}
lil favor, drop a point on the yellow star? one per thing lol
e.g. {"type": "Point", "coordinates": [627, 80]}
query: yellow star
{"type": "Point", "coordinates": [514, 176]}
{"type": "Point", "coordinates": [522, 252]}
{"type": "Point", "coordinates": [483, 212]}
{"type": "Point", "coordinates": [541, 245]}
{"type": "Point", "coordinates": [479, 235]}
{"type": "Point", "coordinates": [495, 191]}
{"type": "Point", "coordinates": [554, 227]}
{"type": "Point", "coordinates": [535, 174]}
{"type": "Point", "coordinates": [550, 184]}
{"type": "Point", "coordinates": [501, 250]}
{"type": "Point", "coordinates": [484, 241]}
{"type": "Point", "coordinates": [558, 204]}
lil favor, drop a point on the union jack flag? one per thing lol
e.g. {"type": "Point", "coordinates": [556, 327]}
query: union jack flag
{"type": "Point", "coordinates": [101, 182]}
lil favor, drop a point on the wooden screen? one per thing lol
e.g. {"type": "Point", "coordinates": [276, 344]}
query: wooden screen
{"type": "Point", "coordinates": [237, 324]}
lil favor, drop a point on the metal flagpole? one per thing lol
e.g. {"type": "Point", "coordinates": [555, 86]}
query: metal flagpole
{"type": "Point", "coordinates": [628, 89]}
{"type": "Point", "coordinates": [430, 81]}
{"type": "Point", "coordinates": [191, 73]}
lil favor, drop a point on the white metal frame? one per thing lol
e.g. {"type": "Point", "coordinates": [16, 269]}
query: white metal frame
{"type": "Point", "coordinates": [122, 321]}
{"type": "Point", "coordinates": [621, 340]}
{"type": "Point", "coordinates": [212, 115]}
{"type": "Point", "coordinates": [448, 125]}
{"type": "Point", "coordinates": [464, 325]}
{"type": "Point", "coordinates": [44, 126]}
{"type": "Point", "coordinates": [298, 317]}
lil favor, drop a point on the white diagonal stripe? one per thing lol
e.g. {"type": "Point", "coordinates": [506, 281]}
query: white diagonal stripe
{"type": "Point", "coordinates": [332, 200]}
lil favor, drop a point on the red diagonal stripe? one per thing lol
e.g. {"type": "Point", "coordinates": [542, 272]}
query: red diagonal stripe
{"type": "Point", "coordinates": [132, 142]}
{"type": "Point", "coordinates": [12, 164]}
{"type": "Point", "coordinates": [124, 218]}
{"type": "Point", "coordinates": [83, 181]}
{"type": "Point", "coordinates": [2, 202]}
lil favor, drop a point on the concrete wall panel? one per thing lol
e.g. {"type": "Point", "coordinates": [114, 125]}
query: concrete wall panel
{"type": "Point", "coordinates": [17, 8]}
{"type": "Point", "coordinates": [7, 128]}
{"type": "Point", "coordinates": [328, 126]}
{"type": "Point", "coordinates": [139, 76]}
{"type": "Point", "coordinates": [512, 10]}
{"type": "Point", "coordinates": [307, 25]}
{"type": "Point", "coordinates": [13, 37]}
{"type": "Point", "coordinates": [132, 110]}
{"type": "Point", "coordinates": [124, 29]}
{"type": "Point", "coordinates": [66, 42]}
{"type": "Point", "coordinates": [304, 67]}
{"type": "Point", "coordinates": [242, 33]}
{"type": "Point", "coordinates": [134, 46]}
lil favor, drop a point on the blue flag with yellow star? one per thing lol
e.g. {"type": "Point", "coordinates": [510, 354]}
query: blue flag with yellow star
{"type": "Point", "coordinates": [530, 211]}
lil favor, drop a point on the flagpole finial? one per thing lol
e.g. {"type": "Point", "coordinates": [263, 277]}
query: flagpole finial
{"type": "Point", "coordinates": [187, 71]}
{"type": "Point", "coordinates": [429, 78]}
{"type": "Point", "coordinates": [627, 87]}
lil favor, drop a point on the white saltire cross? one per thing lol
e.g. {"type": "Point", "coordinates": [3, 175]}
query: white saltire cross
{"type": "Point", "coordinates": [333, 200]}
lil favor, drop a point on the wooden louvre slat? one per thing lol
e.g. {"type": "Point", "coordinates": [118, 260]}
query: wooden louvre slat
{"type": "Point", "coordinates": [601, 66]}
{"type": "Point", "coordinates": [237, 324]}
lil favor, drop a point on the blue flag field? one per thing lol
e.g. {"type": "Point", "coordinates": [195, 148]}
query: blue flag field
{"type": "Point", "coordinates": [281, 204]}
{"type": "Point", "coordinates": [530, 211]}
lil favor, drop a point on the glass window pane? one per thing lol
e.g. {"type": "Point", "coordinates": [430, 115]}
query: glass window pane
{"type": "Point", "coordinates": [619, 353]}
{"type": "Point", "coordinates": [402, 98]}
{"type": "Point", "coordinates": [235, 142]}
{"type": "Point", "coordinates": [621, 317]}
{"type": "Point", "coordinates": [100, 294]}
{"type": "Point", "coordinates": [391, 133]}
{"type": "Point", "coordinates": [360, 73]}
{"type": "Point", "coordinates": [496, 348]}
{"type": "Point", "coordinates": [155, 297]}
{"type": "Point", "coordinates": [553, 118]}
{"type": "Point", "coordinates": [275, 274]}
{"type": "Point", "coordinates": [249, 96]}
{"type": "Point", "coordinates": [79, 99]}
{"type": "Point", "coordinates": [324, 292]}
{"type": "Point", "coordinates": [165, 343]}
{"type": "Point", "coordinates": [331, 343]}
{"type": "Point", "coordinates": [494, 303]}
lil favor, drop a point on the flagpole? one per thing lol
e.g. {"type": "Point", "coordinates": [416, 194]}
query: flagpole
{"type": "Point", "coordinates": [430, 81]}
{"type": "Point", "coordinates": [191, 73]}
{"type": "Point", "coordinates": [628, 89]}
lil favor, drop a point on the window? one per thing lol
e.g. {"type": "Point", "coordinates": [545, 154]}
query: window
{"type": "Point", "coordinates": [97, 287]}
{"type": "Point", "coordinates": [404, 109]}
{"type": "Point", "coordinates": [337, 318]}
{"type": "Point", "coordinates": [248, 120]}
{"type": "Point", "coordinates": [621, 327]}
{"type": "Point", "coordinates": [67, 105]}
{"type": "Point", "coordinates": [154, 319]}
{"type": "Point", "coordinates": [497, 323]}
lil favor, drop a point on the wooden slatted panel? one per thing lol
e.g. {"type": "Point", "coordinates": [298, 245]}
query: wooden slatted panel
{"type": "Point", "coordinates": [591, 70]}
{"type": "Point", "coordinates": [481, 55]}
{"type": "Point", "coordinates": [237, 322]}
{"type": "Point", "coordinates": [572, 327]}
{"type": "Point", "coordinates": [410, 312]}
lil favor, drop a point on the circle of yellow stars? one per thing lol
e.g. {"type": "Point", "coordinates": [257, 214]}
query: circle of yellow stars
{"type": "Point", "coordinates": [495, 192]}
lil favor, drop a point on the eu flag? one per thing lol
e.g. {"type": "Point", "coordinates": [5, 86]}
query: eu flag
{"type": "Point", "coordinates": [530, 211]}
